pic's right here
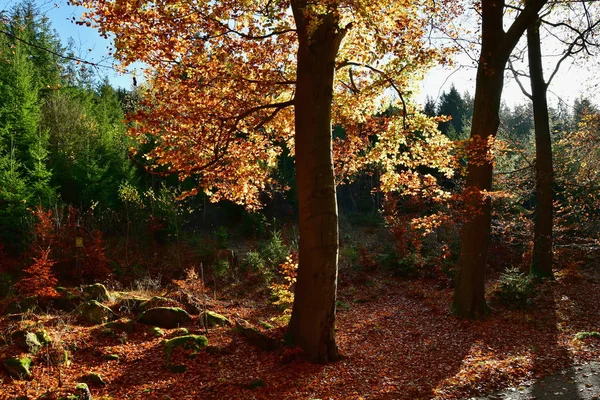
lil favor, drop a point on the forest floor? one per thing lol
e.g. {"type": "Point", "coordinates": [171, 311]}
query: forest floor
{"type": "Point", "coordinates": [398, 338]}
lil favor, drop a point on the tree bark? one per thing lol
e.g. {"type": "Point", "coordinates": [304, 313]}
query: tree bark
{"type": "Point", "coordinates": [313, 314]}
{"type": "Point", "coordinates": [541, 264]}
{"type": "Point", "coordinates": [496, 46]}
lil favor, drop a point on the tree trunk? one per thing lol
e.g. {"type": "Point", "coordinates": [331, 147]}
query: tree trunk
{"type": "Point", "coordinates": [541, 264]}
{"type": "Point", "coordinates": [313, 314]}
{"type": "Point", "coordinates": [469, 293]}
{"type": "Point", "coordinates": [496, 46]}
{"type": "Point", "coordinates": [469, 290]}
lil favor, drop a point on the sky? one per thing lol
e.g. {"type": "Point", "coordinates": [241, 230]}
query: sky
{"type": "Point", "coordinates": [569, 84]}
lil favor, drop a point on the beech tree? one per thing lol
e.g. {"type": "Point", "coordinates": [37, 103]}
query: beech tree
{"type": "Point", "coordinates": [228, 80]}
{"type": "Point", "coordinates": [496, 47]}
{"type": "Point", "coordinates": [579, 40]}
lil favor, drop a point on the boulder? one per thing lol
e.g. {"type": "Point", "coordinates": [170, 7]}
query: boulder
{"type": "Point", "coordinates": [256, 337]}
{"type": "Point", "coordinates": [83, 392]}
{"type": "Point", "coordinates": [213, 319]}
{"type": "Point", "coordinates": [93, 379]}
{"type": "Point", "coordinates": [129, 304]}
{"type": "Point", "coordinates": [126, 325]}
{"type": "Point", "coordinates": [95, 312]}
{"type": "Point", "coordinates": [158, 301]}
{"type": "Point", "coordinates": [18, 368]}
{"type": "Point", "coordinates": [97, 291]}
{"type": "Point", "coordinates": [165, 317]}
{"type": "Point", "coordinates": [156, 331]}
{"type": "Point", "coordinates": [67, 300]}
{"type": "Point", "coordinates": [31, 342]}
{"type": "Point", "coordinates": [195, 343]}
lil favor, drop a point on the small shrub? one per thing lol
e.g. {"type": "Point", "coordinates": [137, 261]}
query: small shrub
{"type": "Point", "coordinates": [40, 280]}
{"type": "Point", "coordinates": [221, 268]}
{"type": "Point", "coordinates": [515, 289]}
{"type": "Point", "coordinates": [274, 251]}
{"type": "Point", "coordinates": [252, 262]}
{"type": "Point", "coordinates": [282, 294]}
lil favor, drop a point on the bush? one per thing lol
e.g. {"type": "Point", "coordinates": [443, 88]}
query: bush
{"type": "Point", "coordinates": [515, 289]}
{"type": "Point", "coordinates": [274, 251]}
{"type": "Point", "coordinates": [253, 262]}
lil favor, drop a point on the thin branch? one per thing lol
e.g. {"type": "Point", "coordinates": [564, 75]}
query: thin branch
{"type": "Point", "coordinates": [516, 75]}
{"type": "Point", "coordinates": [64, 57]}
{"type": "Point", "coordinates": [386, 77]}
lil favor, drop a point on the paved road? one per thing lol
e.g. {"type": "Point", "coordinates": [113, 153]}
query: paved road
{"type": "Point", "coordinates": [581, 382]}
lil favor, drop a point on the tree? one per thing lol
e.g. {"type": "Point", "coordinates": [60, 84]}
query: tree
{"type": "Point", "coordinates": [452, 105]}
{"type": "Point", "coordinates": [541, 264]}
{"type": "Point", "coordinates": [496, 46]}
{"type": "Point", "coordinates": [579, 39]}
{"type": "Point", "coordinates": [228, 80]}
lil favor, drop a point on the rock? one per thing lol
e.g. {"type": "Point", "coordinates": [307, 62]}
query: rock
{"type": "Point", "coordinates": [110, 357]}
{"type": "Point", "coordinates": [165, 317]}
{"type": "Point", "coordinates": [67, 300]}
{"type": "Point", "coordinates": [18, 368]}
{"type": "Point", "coordinates": [189, 342]}
{"type": "Point", "coordinates": [129, 304]}
{"type": "Point", "coordinates": [97, 291]}
{"type": "Point", "coordinates": [83, 392]}
{"type": "Point", "coordinates": [255, 337]}
{"type": "Point", "coordinates": [126, 325]}
{"type": "Point", "coordinates": [181, 332]}
{"type": "Point", "coordinates": [43, 337]}
{"type": "Point", "coordinates": [27, 341]}
{"type": "Point", "coordinates": [190, 302]}
{"type": "Point", "coordinates": [212, 319]}
{"type": "Point", "coordinates": [20, 306]}
{"type": "Point", "coordinates": [93, 379]}
{"type": "Point", "coordinates": [157, 331]}
{"type": "Point", "coordinates": [95, 312]}
{"type": "Point", "coordinates": [157, 301]}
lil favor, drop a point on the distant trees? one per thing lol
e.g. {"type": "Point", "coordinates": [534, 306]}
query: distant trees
{"type": "Point", "coordinates": [57, 140]}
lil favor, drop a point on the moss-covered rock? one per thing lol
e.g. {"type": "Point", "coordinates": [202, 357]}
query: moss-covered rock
{"type": "Point", "coordinates": [68, 299]}
{"type": "Point", "coordinates": [18, 368]}
{"type": "Point", "coordinates": [156, 331]}
{"type": "Point", "coordinates": [18, 306]}
{"type": "Point", "coordinates": [43, 337]}
{"type": "Point", "coordinates": [256, 337]}
{"type": "Point", "coordinates": [195, 343]}
{"type": "Point", "coordinates": [31, 342]}
{"type": "Point", "coordinates": [165, 317]}
{"type": "Point", "coordinates": [127, 303]}
{"type": "Point", "coordinates": [93, 379]}
{"type": "Point", "coordinates": [123, 325]}
{"type": "Point", "coordinates": [95, 312]}
{"type": "Point", "coordinates": [97, 291]}
{"type": "Point", "coordinates": [82, 391]}
{"type": "Point", "coordinates": [158, 301]}
{"type": "Point", "coordinates": [211, 318]}
{"type": "Point", "coordinates": [181, 332]}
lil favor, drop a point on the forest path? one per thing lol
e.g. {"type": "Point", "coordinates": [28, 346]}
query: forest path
{"type": "Point", "coordinates": [580, 382]}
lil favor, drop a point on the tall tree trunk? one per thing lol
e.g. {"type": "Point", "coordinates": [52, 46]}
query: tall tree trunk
{"type": "Point", "coordinates": [541, 264]}
{"type": "Point", "coordinates": [469, 295]}
{"type": "Point", "coordinates": [496, 46]}
{"type": "Point", "coordinates": [313, 313]}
